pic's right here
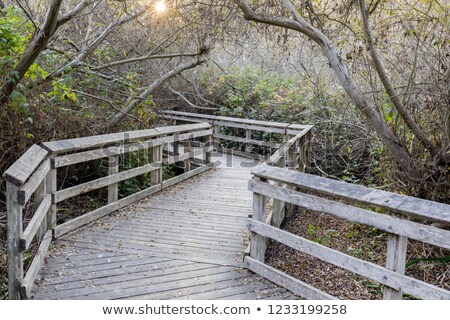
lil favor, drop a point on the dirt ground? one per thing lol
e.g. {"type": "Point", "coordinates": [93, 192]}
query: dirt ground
{"type": "Point", "coordinates": [424, 262]}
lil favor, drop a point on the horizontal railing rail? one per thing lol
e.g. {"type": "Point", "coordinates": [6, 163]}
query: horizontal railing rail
{"type": "Point", "coordinates": [253, 131]}
{"type": "Point", "coordinates": [289, 187]}
{"type": "Point", "coordinates": [34, 176]}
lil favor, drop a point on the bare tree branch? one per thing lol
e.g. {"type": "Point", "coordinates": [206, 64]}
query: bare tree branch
{"type": "Point", "coordinates": [190, 103]}
{"type": "Point", "coordinates": [146, 57]}
{"type": "Point", "coordinates": [133, 104]}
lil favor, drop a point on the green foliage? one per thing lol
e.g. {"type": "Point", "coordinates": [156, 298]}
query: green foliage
{"type": "Point", "coordinates": [322, 237]}
{"type": "Point", "coordinates": [15, 32]}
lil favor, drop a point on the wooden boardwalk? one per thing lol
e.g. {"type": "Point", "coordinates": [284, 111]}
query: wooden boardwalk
{"type": "Point", "coordinates": [186, 242]}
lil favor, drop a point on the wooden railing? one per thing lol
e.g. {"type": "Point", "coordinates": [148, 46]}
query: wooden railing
{"type": "Point", "coordinates": [294, 152]}
{"type": "Point", "coordinates": [282, 184]}
{"type": "Point", "coordinates": [296, 136]}
{"type": "Point", "coordinates": [34, 175]}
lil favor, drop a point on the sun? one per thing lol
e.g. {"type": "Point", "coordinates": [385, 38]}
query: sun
{"type": "Point", "coordinates": [160, 6]}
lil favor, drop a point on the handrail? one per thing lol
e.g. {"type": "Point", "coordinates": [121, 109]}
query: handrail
{"type": "Point", "coordinates": [35, 173]}
{"type": "Point", "coordinates": [283, 185]}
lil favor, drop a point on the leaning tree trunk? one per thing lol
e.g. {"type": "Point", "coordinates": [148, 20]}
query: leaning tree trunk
{"type": "Point", "coordinates": [373, 117]}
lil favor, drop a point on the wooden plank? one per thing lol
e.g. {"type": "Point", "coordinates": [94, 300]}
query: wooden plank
{"type": "Point", "coordinates": [248, 141]}
{"type": "Point", "coordinates": [402, 227]}
{"type": "Point", "coordinates": [394, 202]}
{"type": "Point", "coordinates": [395, 261]}
{"type": "Point", "coordinates": [184, 176]}
{"type": "Point", "coordinates": [367, 269]}
{"type": "Point", "coordinates": [103, 211]}
{"type": "Point", "coordinates": [156, 176]}
{"type": "Point", "coordinates": [187, 136]}
{"type": "Point", "coordinates": [15, 255]}
{"type": "Point", "coordinates": [241, 153]}
{"type": "Point", "coordinates": [36, 265]}
{"type": "Point", "coordinates": [113, 189]}
{"type": "Point", "coordinates": [34, 224]}
{"type": "Point", "coordinates": [186, 156]}
{"type": "Point", "coordinates": [19, 172]}
{"type": "Point", "coordinates": [39, 195]}
{"type": "Point", "coordinates": [76, 144]}
{"type": "Point", "coordinates": [258, 244]}
{"type": "Point", "coordinates": [27, 189]}
{"type": "Point", "coordinates": [103, 182]}
{"type": "Point", "coordinates": [85, 156]}
{"type": "Point", "coordinates": [51, 186]}
{"type": "Point", "coordinates": [286, 281]}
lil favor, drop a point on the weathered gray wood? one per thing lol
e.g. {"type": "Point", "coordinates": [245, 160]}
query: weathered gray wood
{"type": "Point", "coordinates": [241, 153]}
{"type": "Point", "coordinates": [207, 149]}
{"type": "Point", "coordinates": [383, 199]}
{"type": "Point", "coordinates": [15, 256]}
{"type": "Point", "coordinates": [402, 227]}
{"type": "Point", "coordinates": [187, 156]}
{"type": "Point", "coordinates": [51, 186]}
{"type": "Point", "coordinates": [27, 189]}
{"type": "Point", "coordinates": [35, 266]}
{"type": "Point", "coordinates": [35, 223]}
{"type": "Point", "coordinates": [257, 242]}
{"type": "Point", "coordinates": [39, 195]}
{"type": "Point", "coordinates": [395, 261]}
{"type": "Point", "coordinates": [156, 176]}
{"type": "Point", "coordinates": [71, 145]}
{"type": "Point", "coordinates": [248, 141]}
{"type": "Point", "coordinates": [103, 182]}
{"type": "Point", "coordinates": [187, 150]}
{"type": "Point", "coordinates": [187, 136]}
{"type": "Point", "coordinates": [248, 137]}
{"type": "Point", "coordinates": [292, 284]}
{"type": "Point", "coordinates": [113, 189]}
{"type": "Point", "coordinates": [21, 170]}
{"type": "Point", "coordinates": [85, 156]}
{"type": "Point", "coordinates": [184, 176]}
{"type": "Point", "coordinates": [367, 269]}
{"type": "Point", "coordinates": [103, 211]}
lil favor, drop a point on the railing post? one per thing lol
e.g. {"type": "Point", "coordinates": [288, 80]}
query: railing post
{"type": "Point", "coordinates": [208, 140]}
{"type": "Point", "coordinates": [156, 176]}
{"type": "Point", "coordinates": [308, 151]}
{"type": "Point", "coordinates": [51, 186]}
{"type": "Point", "coordinates": [248, 136]}
{"type": "Point", "coordinates": [113, 189]}
{"type": "Point", "coordinates": [257, 242]}
{"type": "Point", "coordinates": [395, 261]}
{"type": "Point", "coordinates": [15, 255]}
{"type": "Point", "coordinates": [39, 195]}
{"type": "Point", "coordinates": [217, 140]}
{"type": "Point", "coordinates": [279, 207]}
{"type": "Point", "coordinates": [187, 149]}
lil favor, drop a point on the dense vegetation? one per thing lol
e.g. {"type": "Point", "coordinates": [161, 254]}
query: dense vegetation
{"type": "Point", "coordinates": [372, 76]}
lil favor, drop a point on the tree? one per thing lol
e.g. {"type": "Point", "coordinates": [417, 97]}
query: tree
{"type": "Point", "coordinates": [399, 152]}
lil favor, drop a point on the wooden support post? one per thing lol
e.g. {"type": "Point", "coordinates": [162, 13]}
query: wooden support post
{"type": "Point", "coordinates": [217, 140]}
{"type": "Point", "coordinates": [156, 175]}
{"type": "Point", "coordinates": [187, 162]}
{"type": "Point", "coordinates": [395, 261]}
{"type": "Point", "coordinates": [308, 152]}
{"type": "Point", "coordinates": [278, 206]}
{"type": "Point", "coordinates": [113, 189]}
{"type": "Point", "coordinates": [39, 195]}
{"type": "Point", "coordinates": [207, 154]}
{"type": "Point", "coordinates": [257, 242]}
{"type": "Point", "coordinates": [15, 255]}
{"type": "Point", "coordinates": [51, 185]}
{"type": "Point", "coordinates": [303, 155]}
{"type": "Point", "coordinates": [248, 136]}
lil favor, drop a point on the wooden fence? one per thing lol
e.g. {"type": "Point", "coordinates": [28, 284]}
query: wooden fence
{"type": "Point", "coordinates": [34, 175]}
{"type": "Point", "coordinates": [289, 187]}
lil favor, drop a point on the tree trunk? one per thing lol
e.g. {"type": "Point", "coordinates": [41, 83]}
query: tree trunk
{"type": "Point", "coordinates": [38, 43]}
{"type": "Point", "coordinates": [373, 117]}
{"type": "Point", "coordinates": [393, 95]}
